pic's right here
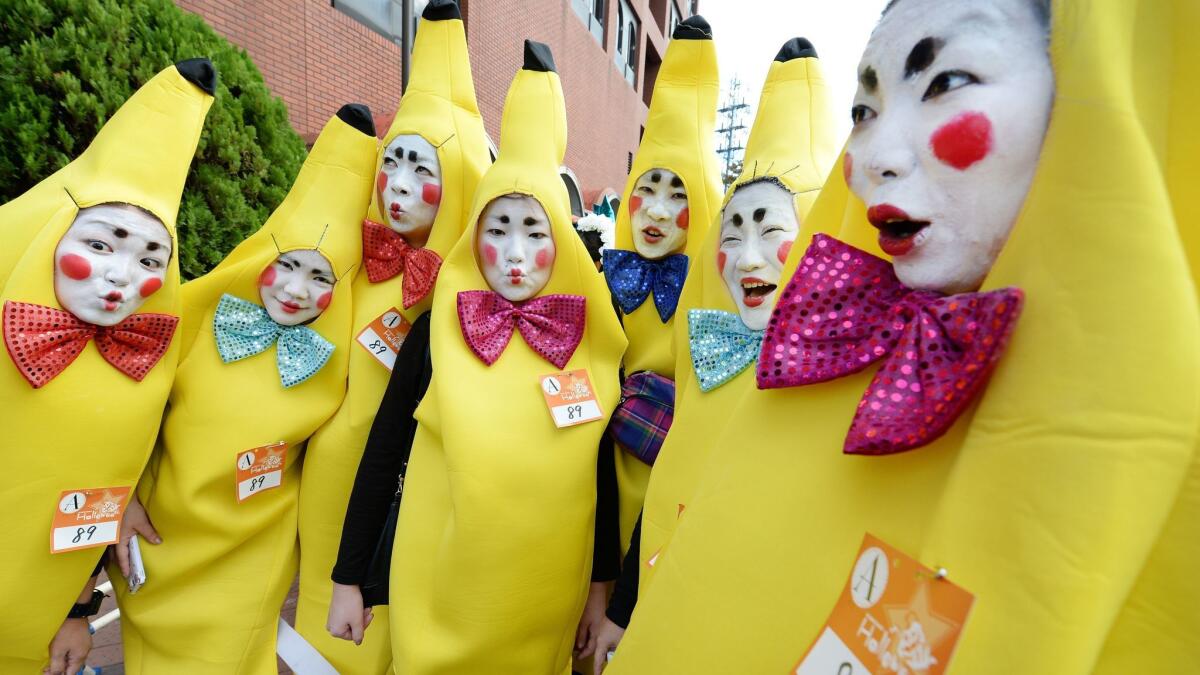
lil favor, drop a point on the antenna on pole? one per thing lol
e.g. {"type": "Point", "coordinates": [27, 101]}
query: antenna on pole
{"type": "Point", "coordinates": [731, 120]}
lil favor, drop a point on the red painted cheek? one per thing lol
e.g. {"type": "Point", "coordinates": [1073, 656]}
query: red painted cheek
{"type": "Point", "coordinates": [431, 194]}
{"type": "Point", "coordinates": [847, 167]}
{"type": "Point", "coordinates": [682, 219]}
{"type": "Point", "coordinates": [544, 258]}
{"type": "Point", "coordinates": [721, 261]}
{"type": "Point", "coordinates": [149, 287]}
{"type": "Point", "coordinates": [381, 181]}
{"type": "Point", "coordinates": [489, 254]}
{"type": "Point", "coordinates": [324, 300]}
{"type": "Point", "coordinates": [784, 249]}
{"type": "Point", "coordinates": [75, 266]}
{"type": "Point", "coordinates": [964, 140]}
{"type": "Point", "coordinates": [267, 277]}
{"type": "Point", "coordinates": [635, 205]}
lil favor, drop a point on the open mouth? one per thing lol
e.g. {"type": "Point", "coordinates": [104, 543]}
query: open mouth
{"type": "Point", "coordinates": [898, 232]}
{"type": "Point", "coordinates": [652, 234]}
{"type": "Point", "coordinates": [755, 291]}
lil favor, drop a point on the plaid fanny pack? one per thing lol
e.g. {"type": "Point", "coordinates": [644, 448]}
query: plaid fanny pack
{"type": "Point", "coordinates": [644, 415]}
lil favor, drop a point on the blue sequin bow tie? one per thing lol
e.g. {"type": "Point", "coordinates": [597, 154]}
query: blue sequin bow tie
{"type": "Point", "coordinates": [722, 346]}
{"type": "Point", "coordinates": [632, 278]}
{"type": "Point", "coordinates": [244, 329]}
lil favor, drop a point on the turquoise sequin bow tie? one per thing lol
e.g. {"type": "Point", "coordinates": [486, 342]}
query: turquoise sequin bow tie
{"type": "Point", "coordinates": [244, 329]}
{"type": "Point", "coordinates": [722, 346]}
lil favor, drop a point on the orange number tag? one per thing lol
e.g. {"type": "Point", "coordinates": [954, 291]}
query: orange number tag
{"type": "Point", "coordinates": [894, 616]}
{"type": "Point", "coordinates": [383, 336]}
{"type": "Point", "coordinates": [260, 469]}
{"type": "Point", "coordinates": [570, 398]}
{"type": "Point", "coordinates": [87, 518]}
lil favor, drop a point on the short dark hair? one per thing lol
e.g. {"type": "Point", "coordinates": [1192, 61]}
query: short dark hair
{"type": "Point", "coordinates": [1041, 8]}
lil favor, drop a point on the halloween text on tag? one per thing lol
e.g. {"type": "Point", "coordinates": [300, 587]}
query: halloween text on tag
{"type": "Point", "coordinates": [570, 398]}
{"type": "Point", "coordinates": [260, 469]}
{"type": "Point", "coordinates": [895, 616]}
{"type": "Point", "coordinates": [87, 518]}
{"type": "Point", "coordinates": [383, 336]}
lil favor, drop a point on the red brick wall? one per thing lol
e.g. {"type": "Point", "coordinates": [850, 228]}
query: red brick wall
{"type": "Point", "coordinates": [311, 55]}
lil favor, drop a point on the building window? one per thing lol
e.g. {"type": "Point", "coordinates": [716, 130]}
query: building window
{"type": "Point", "coordinates": [627, 42]}
{"type": "Point", "coordinates": [591, 12]}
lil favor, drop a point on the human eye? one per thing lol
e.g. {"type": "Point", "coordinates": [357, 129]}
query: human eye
{"type": "Point", "coordinates": [152, 263]}
{"type": "Point", "coordinates": [389, 162]}
{"type": "Point", "coordinates": [424, 171]}
{"type": "Point", "coordinates": [947, 81]}
{"type": "Point", "coordinates": [861, 113]}
{"type": "Point", "coordinates": [679, 195]}
{"type": "Point", "coordinates": [495, 232]}
{"type": "Point", "coordinates": [321, 278]}
{"type": "Point", "coordinates": [97, 245]}
{"type": "Point", "coordinates": [645, 189]}
{"type": "Point", "coordinates": [285, 264]}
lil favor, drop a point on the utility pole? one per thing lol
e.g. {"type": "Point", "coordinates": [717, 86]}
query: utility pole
{"type": "Point", "coordinates": [731, 119]}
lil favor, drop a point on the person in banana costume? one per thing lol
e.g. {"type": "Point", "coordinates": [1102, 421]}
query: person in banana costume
{"type": "Point", "coordinates": [671, 196]}
{"type": "Point", "coordinates": [1051, 490]}
{"type": "Point", "coordinates": [89, 255]}
{"type": "Point", "coordinates": [428, 165]}
{"type": "Point", "coordinates": [265, 343]}
{"type": "Point", "coordinates": [729, 295]}
{"type": "Point", "coordinates": [492, 556]}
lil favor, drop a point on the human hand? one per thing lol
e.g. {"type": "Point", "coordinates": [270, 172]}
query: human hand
{"type": "Point", "coordinates": [608, 635]}
{"type": "Point", "coordinates": [348, 619]}
{"type": "Point", "coordinates": [135, 521]}
{"type": "Point", "coordinates": [69, 648]}
{"type": "Point", "coordinates": [593, 613]}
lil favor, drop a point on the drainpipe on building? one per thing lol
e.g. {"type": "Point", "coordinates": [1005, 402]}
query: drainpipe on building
{"type": "Point", "coordinates": [406, 40]}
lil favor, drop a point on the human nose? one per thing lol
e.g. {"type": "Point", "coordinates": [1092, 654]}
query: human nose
{"type": "Point", "coordinates": [515, 251]}
{"type": "Point", "coordinates": [119, 272]}
{"type": "Point", "coordinates": [888, 152]}
{"type": "Point", "coordinates": [657, 210]}
{"type": "Point", "coordinates": [402, 183]}
{"type": "Point", "coordinates": [295, 287]}
{"type": "Point", "coordinates": [751, 257]}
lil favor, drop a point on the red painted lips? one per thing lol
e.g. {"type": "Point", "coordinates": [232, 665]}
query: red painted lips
{"type": "Point", "coordinates": [897, 230]}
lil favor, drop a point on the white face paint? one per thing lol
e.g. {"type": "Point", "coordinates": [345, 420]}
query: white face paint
{"type": "Point", "coordinates": [297, 287]}
{"type": "Point", "coordinates": [515, 247]}
{"type": "Point", "coordinates": [110, 260]}
{"type": "Point", "coordinates": [758, 227]}
{"type": "Point", "coordinates": [410, 187]}
{"type": "Point", "coordinates": [953, 101]}
{"type": "Point", "coordinates": [658, 213]}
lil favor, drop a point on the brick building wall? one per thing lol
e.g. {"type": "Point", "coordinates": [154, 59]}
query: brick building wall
{"type": "Point", "coordinates": [311, 55]}
{"type": "Point", "coordinates": [316, 58]}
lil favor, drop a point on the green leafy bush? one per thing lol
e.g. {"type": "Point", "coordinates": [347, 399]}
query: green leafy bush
{"type": "Point", "coordinates": [67, 65]}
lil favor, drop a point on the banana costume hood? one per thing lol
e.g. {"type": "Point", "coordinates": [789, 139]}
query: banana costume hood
{"type": "Point", "coordinates": [493, 545]}
{"type": "Point", "coordinates": [678, 138]}
{"type": "Point", "coordinates": [791, 141]}
{"type": "Point", "coordinates": [439, 105]}
{"type": "Point", "coordinates": [219, 577]}
{"type": "Point", "coordinates": [1055, 498]}
{"type": "Point", "coordinates": [91, 425]}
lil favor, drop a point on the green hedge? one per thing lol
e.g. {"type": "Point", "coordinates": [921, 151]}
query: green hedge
{"type": "Point", "coordinates": [67, 65]}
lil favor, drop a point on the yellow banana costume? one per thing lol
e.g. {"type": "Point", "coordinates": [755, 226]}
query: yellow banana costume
{"type": "Point", "coordinates": [1046, 498]}
{"type": "Point", "coordinates": [679, 138]}
{"type": "Point", "coordinates": [217, 581]}
{"type": "Point", "coordinates": [493, 547]}
{"type": "Point", "coordinates": [792, 140]}
{"type": "Point", "coordinates": [91, 426]}
{"type": "Point", "coordinates": [439, 105]}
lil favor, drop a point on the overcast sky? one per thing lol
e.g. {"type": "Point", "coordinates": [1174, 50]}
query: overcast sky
{"type": "Point", "coordinates": [748, 34]}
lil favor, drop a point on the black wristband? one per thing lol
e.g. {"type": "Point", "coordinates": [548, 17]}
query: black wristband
{"type": "Point", "coordinates": [82, 610]}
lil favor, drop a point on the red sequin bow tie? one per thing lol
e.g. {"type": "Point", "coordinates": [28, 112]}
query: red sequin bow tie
{"type": "Point", "coordinates": [43, 341]}
{"type": "Point", "coordinates": [386, 254]}
{"type": "Point", "coordinates": [552, 325]}
{"type": "Point", "coordinates": [844, 309]}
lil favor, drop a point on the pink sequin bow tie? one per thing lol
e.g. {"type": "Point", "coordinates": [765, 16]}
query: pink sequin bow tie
{"type": "Point", "coordinates": [844, 309]}
{"type": "Point", "coordinates": [386, 254]}
{"type": "Point", "coordinates": [43, 341]}
{"type": "Point", "coordinates": [552, 325]}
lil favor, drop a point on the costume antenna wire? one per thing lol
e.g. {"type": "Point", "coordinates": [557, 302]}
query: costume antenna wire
{"type": "Point", "coordinates": [73, 200]}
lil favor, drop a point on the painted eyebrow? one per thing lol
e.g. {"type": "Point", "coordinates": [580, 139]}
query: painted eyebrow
{"type": "Point", "coordinates": [868, 79]}
{"type": "Point", "coordinates": [676, 182]}
{"type": "Point", "coordinates": [504, 219]}
{"type": "Point", "coordinates": [655, 177]}
{"type": "Point", "coordinates": [119, 232]}
{"type": "Point", "coordinates": [759, 214]}
{"type": "Point", "coordinates": [530, 220]}
{"type": "Point", "coordinates": [737, 219]}
{"type": "Point", "coordinates": [399, 152]}
{"type": "Point", "coordinates": [922, 55]}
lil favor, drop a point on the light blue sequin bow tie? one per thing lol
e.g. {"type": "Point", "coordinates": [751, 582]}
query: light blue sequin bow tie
{"type": "Point", "coordinates": [632, 279]}
{"type": "Point", "coordinates": [722, 346]}
{"type": "Point", "coordinates": [244, 329]}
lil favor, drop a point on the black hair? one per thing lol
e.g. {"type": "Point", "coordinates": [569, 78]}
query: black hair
{"type": "Point", "coordinates": [773, 180]}
{"type": "Point", "coordinates": [1041, 8]}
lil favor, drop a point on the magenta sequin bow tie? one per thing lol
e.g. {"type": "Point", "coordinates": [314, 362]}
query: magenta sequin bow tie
{"type": "Point", "coordinates": [552, 325]}
{"type": "Point", "coordinates": [844, 309]}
